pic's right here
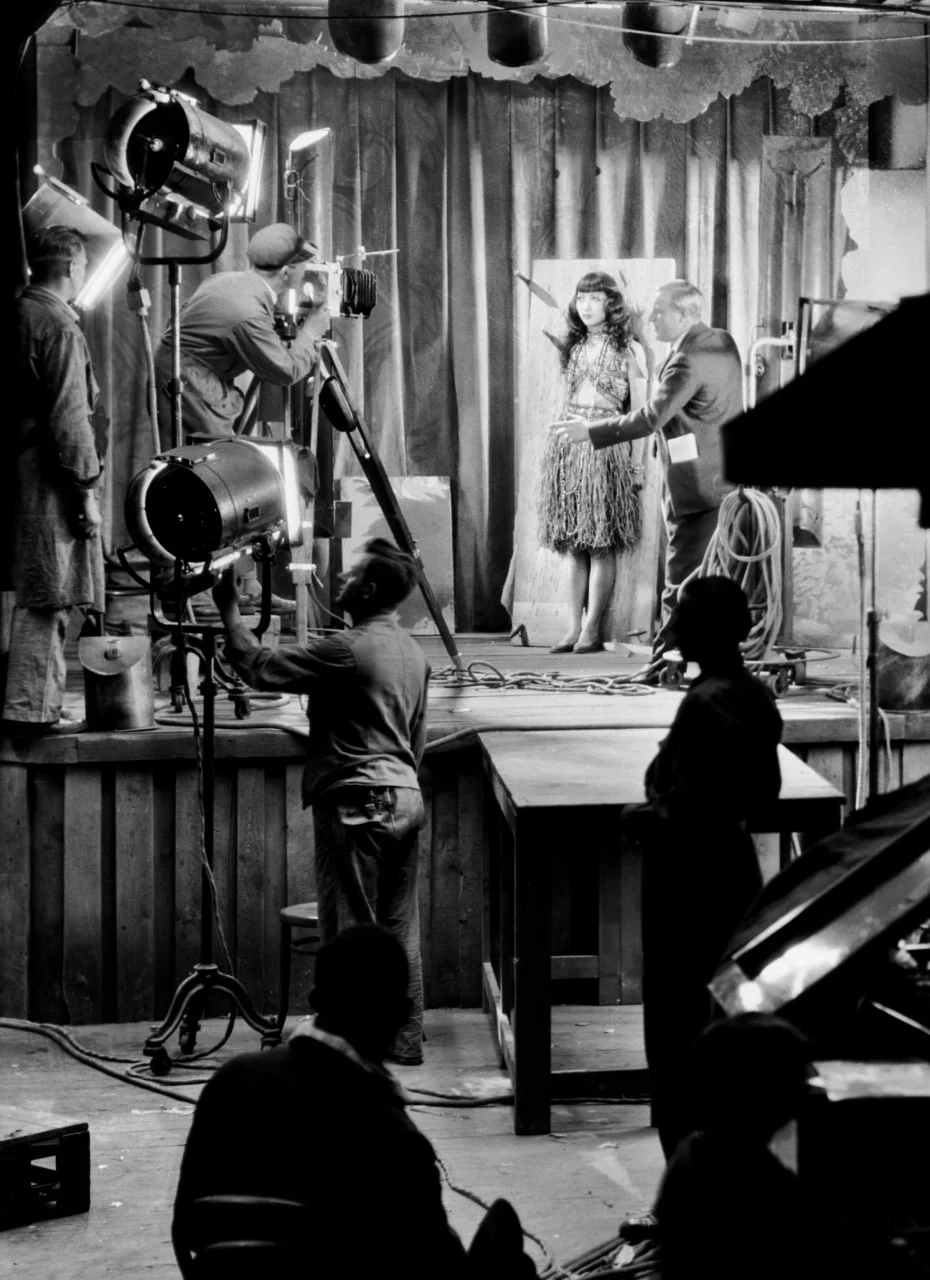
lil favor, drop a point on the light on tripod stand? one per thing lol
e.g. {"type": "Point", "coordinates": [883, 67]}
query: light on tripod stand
{"type": "Point", "coordinates": [178, 167]}
{"type": "Point", "coordinates": [202, 506]}
{"type": "Point", "coordinates": [55, 204]}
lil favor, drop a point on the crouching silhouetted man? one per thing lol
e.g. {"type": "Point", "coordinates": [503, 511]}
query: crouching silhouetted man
{"type": "Point", "coordinates": [700, 870]}
{"type": "Point", "coordinates": [320, 1120]}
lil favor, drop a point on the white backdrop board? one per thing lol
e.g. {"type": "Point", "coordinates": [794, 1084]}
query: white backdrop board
{"type": "Point", "coordinates": [426, 504]}
{"type": "Point", "coordinates": [536, 593]}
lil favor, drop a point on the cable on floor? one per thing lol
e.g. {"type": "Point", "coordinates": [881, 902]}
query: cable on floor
{"type": "Point", "coordinates": [552, 1268]}
{"type": "Point", "coordinates": [485, 675]}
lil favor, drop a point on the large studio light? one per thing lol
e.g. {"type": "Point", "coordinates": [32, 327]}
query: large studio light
{"type": "Point", "coordinates": [204, 505]}
{"type": "Point", "coordinates": [178, 167]}
{"type": "Point", "coordinates": [55, 204]}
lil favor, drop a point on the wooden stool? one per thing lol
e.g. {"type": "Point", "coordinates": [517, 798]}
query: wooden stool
{"type": "Point", "coordinates": [303, 916]}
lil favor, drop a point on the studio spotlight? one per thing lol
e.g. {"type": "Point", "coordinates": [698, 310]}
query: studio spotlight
{"type": "Point", "coordinates": [517, 32]}
{"type": "Point", "coordinates": [200, 507]}
{"type": "Point", "coordinates": [55, 204]}
{"type": "Point", "coordinates": [178, 167]}
{"type": "Point", "coordinates": [369, 31]}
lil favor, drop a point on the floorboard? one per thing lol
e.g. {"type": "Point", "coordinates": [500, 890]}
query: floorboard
{"type": "Point", "coordinates": [570, 1187]}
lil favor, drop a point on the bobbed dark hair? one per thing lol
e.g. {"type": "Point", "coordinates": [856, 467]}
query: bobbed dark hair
{"type": "Point", "coordinates": [619, 317]}
{"type": "Point", "coordinates": [392, 571]}
{"type": "Point", "coordinates": [50, 249]}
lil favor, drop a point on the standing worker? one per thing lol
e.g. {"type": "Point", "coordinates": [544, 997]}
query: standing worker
{"type": "Point", "coordinates": [700, 387]}
{"type": "Point", "coordinates": [53, 465]}
{"type": "Point", "coordinates": [366, 690]}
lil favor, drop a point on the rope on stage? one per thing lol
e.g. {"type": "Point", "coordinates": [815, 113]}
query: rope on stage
{"type": "Point", "coordinates": [747, 547]}
{"type": "Point", "coordinates": [486, 676]}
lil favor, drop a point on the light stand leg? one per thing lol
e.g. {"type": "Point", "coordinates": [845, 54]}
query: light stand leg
{"type": "Point", "coordinates": [189, 1001]}
{"type": "Point", "coordinates": [872, 662]}
{"type": "Point", "coordinates": [387, 500]}
{"type": "Point", "coordinates": [174, 290]}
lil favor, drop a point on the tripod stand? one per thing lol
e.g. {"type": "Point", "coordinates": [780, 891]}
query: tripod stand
{"type": "Point", "coordinates": [187, 1005]}
{"type": "Point", "coordinates": [331, 394]}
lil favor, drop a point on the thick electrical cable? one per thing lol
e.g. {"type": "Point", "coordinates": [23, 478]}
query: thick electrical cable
{"type": "Point", "coordinates": [746, 546]}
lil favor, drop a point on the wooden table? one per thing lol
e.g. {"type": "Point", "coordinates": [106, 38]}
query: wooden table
{"type": "Point", "coordinates": [562, 791]}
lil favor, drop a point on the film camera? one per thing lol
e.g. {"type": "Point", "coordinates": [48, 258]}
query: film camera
{"type": "Point", "coordinates": [346, 291]}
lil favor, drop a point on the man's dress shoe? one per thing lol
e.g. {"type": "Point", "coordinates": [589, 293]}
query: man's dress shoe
{"type": "Point", "coordinates": [596, 647]}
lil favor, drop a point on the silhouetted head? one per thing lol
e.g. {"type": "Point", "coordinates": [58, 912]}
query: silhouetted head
{"type": "Point", "coordinates": [711, 619]}
{"type": "Point", "coordinates": [57, 257]}
{"type": "Point", "coordinates": [747, 1075]}
{"type": "Point", "coordinates": [360, 989]}
{"type": "Point", "coordinates": [381, 577]}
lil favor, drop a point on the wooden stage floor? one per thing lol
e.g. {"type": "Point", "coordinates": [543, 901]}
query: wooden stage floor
{"type": "Point", "coordinates": [571, 1187]}
{"type": "Point", "coordinates": [537, 690]}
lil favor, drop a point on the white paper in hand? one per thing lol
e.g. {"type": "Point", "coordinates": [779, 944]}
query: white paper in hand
{"type": "Point", "coordinates": [682, 448]}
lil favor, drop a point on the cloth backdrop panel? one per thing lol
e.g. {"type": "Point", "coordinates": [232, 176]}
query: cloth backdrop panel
{"type": "Point", "coordinates": [466, 179]}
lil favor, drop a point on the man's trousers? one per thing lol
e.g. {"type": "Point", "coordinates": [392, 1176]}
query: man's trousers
{"type": "Point", "coordinates": [35, 663]}
{"type": "Point", "coordinates": [366, 872]}
{"type": "Point", "coordinates": [688, 539]}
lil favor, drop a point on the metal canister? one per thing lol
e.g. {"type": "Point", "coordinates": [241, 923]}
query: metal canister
{"type": "Point", "coordinates": [118, 689]}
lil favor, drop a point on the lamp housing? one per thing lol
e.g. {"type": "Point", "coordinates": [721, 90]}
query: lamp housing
{"type": "Point", "coordinates": [203, 505]}
{"type": "Point", "coordinates": [179, 167]}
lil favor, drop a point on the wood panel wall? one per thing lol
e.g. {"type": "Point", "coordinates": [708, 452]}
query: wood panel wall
{"type": "Point", "coordinates": [100, 876]}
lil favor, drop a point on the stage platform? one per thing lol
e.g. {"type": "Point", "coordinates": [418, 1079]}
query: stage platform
{"type": "Point", "coordinates": [100, 870]}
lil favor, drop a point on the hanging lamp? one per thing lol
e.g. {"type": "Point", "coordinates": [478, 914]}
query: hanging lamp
{"type": "Point", "coordinates": [518, 32]}
{"type": "Point", "coordinates": [646, 28]}
{"type": "Point", "coordinates": [369, 31]}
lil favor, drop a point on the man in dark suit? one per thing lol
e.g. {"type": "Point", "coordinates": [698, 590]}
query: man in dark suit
{"type": "Point", "coordinates": [699, 389]}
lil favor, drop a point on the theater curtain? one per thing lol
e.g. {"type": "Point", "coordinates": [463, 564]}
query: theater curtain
{"type": "Point", "coordinates": [471, 180]}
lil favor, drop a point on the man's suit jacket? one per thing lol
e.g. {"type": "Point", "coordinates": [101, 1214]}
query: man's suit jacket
{"type": "Point", "coordinates": [700, 388]}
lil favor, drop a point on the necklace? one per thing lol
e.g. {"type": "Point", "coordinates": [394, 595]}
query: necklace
{"type": "Point", "coordinates": [594, 351]}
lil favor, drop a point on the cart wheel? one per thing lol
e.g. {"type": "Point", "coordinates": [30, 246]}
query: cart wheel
{"type": "Point", "coordinates": [782, 681]}
{"type": "Point", "coordinates": [671, 676]}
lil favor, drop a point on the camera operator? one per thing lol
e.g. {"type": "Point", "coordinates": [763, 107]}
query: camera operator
{"type": "Point", "coordinates": [227, 328]}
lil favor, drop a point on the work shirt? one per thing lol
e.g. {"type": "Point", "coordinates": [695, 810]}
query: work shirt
{"type": "Point", "coordinates": [52, 451]}
{"type": "Point", "coordinates": [366, 690]}
{"type": "Point", "coordinates": [228, 325]}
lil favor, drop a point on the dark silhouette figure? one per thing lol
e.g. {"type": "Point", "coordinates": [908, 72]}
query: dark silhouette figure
{"type": "Point", "coordinates": [319, 1120]}
{"type": "Point", "coordinates": [700, 870]}
{"type": "Point", "coordinates": [727, 1207]}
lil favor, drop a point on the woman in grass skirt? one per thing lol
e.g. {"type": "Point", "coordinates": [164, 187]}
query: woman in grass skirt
{"type": "Point", "coordinates": [588, 500]}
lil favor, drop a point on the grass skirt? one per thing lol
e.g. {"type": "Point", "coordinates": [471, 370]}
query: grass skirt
{"type": "Point", "coordinates": [586, 498]}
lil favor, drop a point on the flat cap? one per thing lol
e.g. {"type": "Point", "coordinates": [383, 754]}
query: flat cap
{"type": "Point", "coordinates": [277, 245]}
